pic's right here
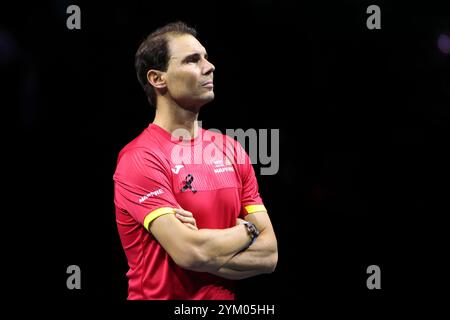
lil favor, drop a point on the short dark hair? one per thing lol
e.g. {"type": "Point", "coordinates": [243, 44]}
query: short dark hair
{"type": "Point", "coordinates": [153, 53]}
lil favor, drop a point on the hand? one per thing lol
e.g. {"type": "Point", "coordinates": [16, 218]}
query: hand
{"type": "Point", "coordinates": [187, 218]}
{"type": "Point", "coordinates": [239, 221]}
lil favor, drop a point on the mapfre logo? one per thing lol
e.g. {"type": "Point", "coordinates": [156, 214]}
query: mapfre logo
{"type": "Point", "coordinates": [220, 166]}
{"type": "Point", "coordinates": [150, 194]}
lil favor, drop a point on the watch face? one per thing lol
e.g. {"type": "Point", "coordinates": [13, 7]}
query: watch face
{"type": "Point", "coordinates": [252, 229]}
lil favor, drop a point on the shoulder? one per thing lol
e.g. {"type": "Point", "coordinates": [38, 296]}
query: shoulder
{"type": "Point", "coordinates": [140, 155]}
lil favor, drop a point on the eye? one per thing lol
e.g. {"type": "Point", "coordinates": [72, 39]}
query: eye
{"type": "Point", "coordinates": [192, 59]}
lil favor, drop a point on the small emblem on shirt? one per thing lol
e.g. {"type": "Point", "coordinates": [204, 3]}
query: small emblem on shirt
{"type": "Point", "coordinates": [188, 183]}
{"type": "Point", "coordinates": [177, 168]}
{"type": "Point", "coordinates": [151, 194]}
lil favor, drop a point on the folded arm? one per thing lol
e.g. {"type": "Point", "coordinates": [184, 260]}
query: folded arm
{"type": "Point", "coordinates": [261, 257]}
{"type": "Point", "coordinates": [204, 250]}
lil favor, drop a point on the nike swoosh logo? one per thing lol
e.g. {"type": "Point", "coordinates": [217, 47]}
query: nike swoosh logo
{"type": "Point", "coordinates": [177, 168]}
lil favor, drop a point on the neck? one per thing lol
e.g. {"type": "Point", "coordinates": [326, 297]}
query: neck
{"type": "Point", "coordinates": [170, 116]}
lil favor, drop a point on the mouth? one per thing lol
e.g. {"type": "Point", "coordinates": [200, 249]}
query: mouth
{"type": "Point", "coordinates": [208, 84]}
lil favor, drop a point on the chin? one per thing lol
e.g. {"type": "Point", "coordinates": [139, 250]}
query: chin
{"type": "Point", "coordinates": [206, 99]}
{"type": "Point", "coordinates": [210, 97]}
{"type": "Point", "coordinates": [198, 102]}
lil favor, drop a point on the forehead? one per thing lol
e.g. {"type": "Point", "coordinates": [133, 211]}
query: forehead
{"type": "Point", "coordinates": [183, 45]}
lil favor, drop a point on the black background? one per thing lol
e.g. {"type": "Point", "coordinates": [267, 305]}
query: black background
{"type": "Point", "coordinates": [363, 118]}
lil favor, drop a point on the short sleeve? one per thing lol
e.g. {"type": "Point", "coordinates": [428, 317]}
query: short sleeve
{"type": "Point", "coordinates": [250, 198]}
{"type": "Point", "coordinates": [142, 186]}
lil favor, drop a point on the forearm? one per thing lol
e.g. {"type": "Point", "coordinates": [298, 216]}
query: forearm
{"type": "Point", "coordinates": [217, 246]}
{"type": "Point", "coordinates": [232, 274]}
{"type": "Point", "coordinates": [260, 257]}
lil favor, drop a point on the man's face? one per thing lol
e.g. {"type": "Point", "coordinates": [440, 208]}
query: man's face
{"type": "Point", "coordinates": [189, 74]}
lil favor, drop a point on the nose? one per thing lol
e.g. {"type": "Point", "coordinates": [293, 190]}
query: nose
{"type": "Point", "coordinates": [209, 67]}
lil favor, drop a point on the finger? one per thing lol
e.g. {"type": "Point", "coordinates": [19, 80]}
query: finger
{"type": "Point", "coordinates": [181, 217]}
{"type": "Point", "coordinates": [190, 226]}
{"type": "Point", "coordinates": [184, 212]}
{"type": "Point", "coordinates": [186, 219]}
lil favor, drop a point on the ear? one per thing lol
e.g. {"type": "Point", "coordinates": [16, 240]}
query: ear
{"type": "Point", "coordinates": [156, 78]}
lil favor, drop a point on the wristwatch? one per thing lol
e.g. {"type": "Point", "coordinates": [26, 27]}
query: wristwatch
{"type": "Point", "coordinates": [252, 231]}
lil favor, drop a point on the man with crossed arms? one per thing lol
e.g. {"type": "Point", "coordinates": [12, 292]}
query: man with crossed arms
{"type": "Point", "coordinates": [188, 229]}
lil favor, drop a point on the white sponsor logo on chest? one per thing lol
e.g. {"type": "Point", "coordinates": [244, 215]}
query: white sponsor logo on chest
{"type": "Point", "coordinates": [220, 166]}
